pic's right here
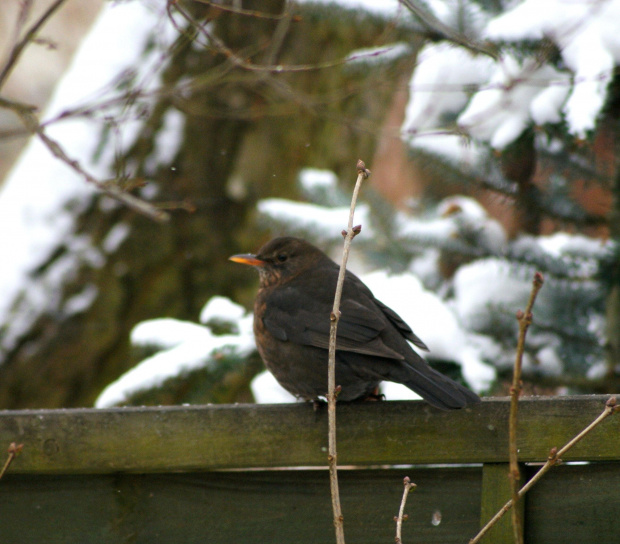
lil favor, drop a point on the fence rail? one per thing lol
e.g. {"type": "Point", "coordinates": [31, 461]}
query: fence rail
{"type": "Point", "coordinates": [206, 474]}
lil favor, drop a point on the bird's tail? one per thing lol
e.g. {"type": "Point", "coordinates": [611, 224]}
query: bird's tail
{"type": "Point", "coordinates": [439, 390]}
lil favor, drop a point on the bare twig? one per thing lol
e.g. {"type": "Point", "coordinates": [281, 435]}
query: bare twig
{"type": "Point", "coordinates": [14, 451]}
{"type": "Point", "coordinates": [408, 486]}
{"type": "Point", "coordinates": [555, 457]}
{"type": "Point", "coordinates": [241, 62]}
{"type": "Point", "coordinates": [435, 26]}
{"type": "Point", "coordinates": [30, 121]}
{"type": "Point", "coordinates": [28, 38]}
{"type": "Point", "coordinates": [332, 390]}
{"type": "Point", "coordinates": [525, 320]}
{"type": "Point", "coordinates": [240, 11]}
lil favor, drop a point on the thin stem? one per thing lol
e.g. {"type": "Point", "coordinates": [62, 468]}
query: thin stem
{"type": "Point", "coordinates": [31, 123]}
{"type": "Point", "coordinates": [239, 11]}
{"type": "Point", "coordinates": [332, 458]}
{"type": "Point", "coordinates": [19, 47]}
{"type": "Point", "coordinates": [14, 451]}
{"type": "Point", "coordinates": [525, 320]}
{"type": "Point", "coordinates": [554, 458]}
{"type": "Point", "coordinates": [401, 512]}
{"type": "Point", "coordinates": [436, 27]}
{"type": "Point", "coordinates": [219, 45]}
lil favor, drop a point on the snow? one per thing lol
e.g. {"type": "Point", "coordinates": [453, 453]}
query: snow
{"type": "Point", "coordinates": [267, 390]}
{"type": "Point", "coordinates": [221, 309]}
{"type": "Point", "coordinates": [82, 301]}
{"type": "Point", "coordinates": [115, 237]}
{"type": "Point", "coordinates": [434, 322]}
{"type": "Point", "coordinates": [514, 93]}
{"type": "Point", "coordinates": [586, 33]}
{"type": "Point", "coordinates": [42, 196]}
{"type": "Point", "coordinates": [501, 112]}
{"type": "Point", "coordinates": [397, 391]}
{"type": "Point", "coordinates": [458, 150]}
{"type": "Point", "coordinates": [321, 221]}
{"type": "Point", "coordinates": [483, 283]}
{"type": "Point", "coordinates": [459, 218]}
{"type": "Point", "coordinates": [600, 370]}
{"type": "Point", "coordinates": [313, 178]}
{"type": "Point", "coordinates": [185, 347]}
{"type": "Point", "coordinates": [167, 333]}
{"type": "Point", "coordinates": [581, 252]}
{"type": "Point", "coordinates": [487, 293]}
{"type": "Point", "coordinates": [547, 362]}
{"type": "Point", "coordinates": [471, 219]}
{"type": "Point", "coordinates": [546, 106]}
{"type": "Point", "coordinates": [167, 140]}
{"type": "Point", "coordinates": [435, 98]}
{"type": "Point", "coordinates": [562, 243]}
{"type": "Point", "coordinates": [434, 95]}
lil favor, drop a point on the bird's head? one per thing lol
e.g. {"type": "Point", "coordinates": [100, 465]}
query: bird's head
{"type": "Point", "coordinates": [281, 259]}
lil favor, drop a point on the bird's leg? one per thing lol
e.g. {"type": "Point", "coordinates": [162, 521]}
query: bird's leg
{"type": "Point", "coordinates": [375, 396]}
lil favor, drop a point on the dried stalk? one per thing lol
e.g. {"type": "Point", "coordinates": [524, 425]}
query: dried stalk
{"type": "Point", "coordinates": [437, 28]}
{"type": "Point", "coordinates": [555, 457]}
{"type": "Point", "coordinates": [28, 38]}
{"type": "Point", "coordinates": [401, 512]}
{"type": "Point", "coordinates": [14, 451]}
{"type": "Point", "coordinates": [332, 458]}
{"type": "Point", "coordinates": [525, 320]}
{"type": "Point", "coordinates": [30, 121]}
{"type": "Point", "coordinates": [241, 62]}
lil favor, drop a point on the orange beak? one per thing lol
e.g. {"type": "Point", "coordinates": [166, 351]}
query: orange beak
{"type": "Point", "coordinates": [247, 258]}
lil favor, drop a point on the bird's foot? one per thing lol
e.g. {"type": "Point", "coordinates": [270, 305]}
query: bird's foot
{"type": "Point", "coordinates": [375, 396]}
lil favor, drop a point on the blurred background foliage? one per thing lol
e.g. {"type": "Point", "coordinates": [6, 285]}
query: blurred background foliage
{"type": "Point", "coordinates": [248, 132]}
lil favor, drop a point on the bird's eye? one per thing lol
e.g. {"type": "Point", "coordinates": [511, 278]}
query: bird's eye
{"type": "Point", "coordinates": [281, 257]}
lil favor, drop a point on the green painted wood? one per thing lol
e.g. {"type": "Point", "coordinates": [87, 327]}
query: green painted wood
{"type": "Point", "coordinates": [579, 504]}
{"type": "Point", "coordinates": [260, 507]}
{"type": "Point", "coordinates": [570, 504]}
{"type": "Point", "coordinates": [494, 495]}
{"type": "Point", "coordinates": [130, 475]}
{"type": "Point", "coordinates": [372, 433]}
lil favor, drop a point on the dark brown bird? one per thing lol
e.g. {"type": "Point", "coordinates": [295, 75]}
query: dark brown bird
{"type": "Point", "coordinates": [291, 325]}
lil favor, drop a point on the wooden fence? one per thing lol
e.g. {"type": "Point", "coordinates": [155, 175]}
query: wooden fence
{"type": "Point", "coordinates": [256, 473]}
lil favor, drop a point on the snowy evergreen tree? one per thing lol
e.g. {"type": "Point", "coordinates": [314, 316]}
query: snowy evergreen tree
{"type": "Point", "coordinates": [511, 133]}
{"type": "Point", "coordinates": [534, 120]}
{"type": "Point", "coordinates": [516, 107]}
{"type": "Point", "coordinates": [195, 110]}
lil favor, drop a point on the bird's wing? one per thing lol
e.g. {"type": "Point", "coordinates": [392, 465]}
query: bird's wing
{"type": "Point", "coordinates": [398, 322]}
{"type": "Point", "coordinates": [293, 316]}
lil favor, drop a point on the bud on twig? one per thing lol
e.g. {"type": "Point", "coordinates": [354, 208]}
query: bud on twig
{"type": "Point", "coordinates": [361, 169]}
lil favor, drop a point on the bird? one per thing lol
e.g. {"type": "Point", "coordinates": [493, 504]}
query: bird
{"type": "Point", "coordinates": [297, 284]}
